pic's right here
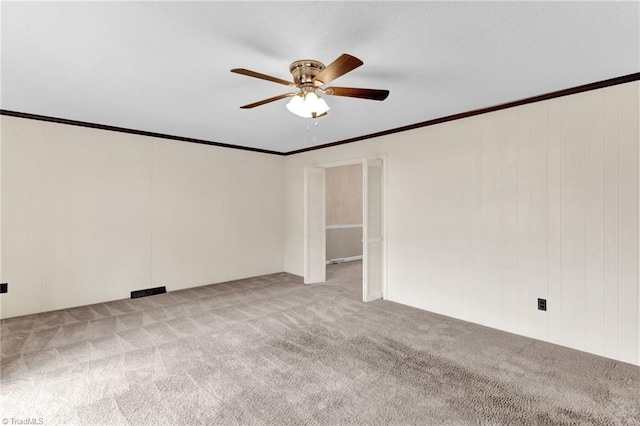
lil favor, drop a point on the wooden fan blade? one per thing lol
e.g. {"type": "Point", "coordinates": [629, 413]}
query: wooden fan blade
{"type": "Point", "coordinates": [266, 101]}
{"type": "Point", "coordinates": [337, 68]}
{"type": "Point", "coordinates": [353, 92]}
{"type": "Point", "coordinates": [262, 76]}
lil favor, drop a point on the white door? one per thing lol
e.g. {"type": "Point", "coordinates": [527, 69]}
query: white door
{"type": "Point", "coordinates": [372, 235]}
{"type": "Point", "coordinates": [314, 218]}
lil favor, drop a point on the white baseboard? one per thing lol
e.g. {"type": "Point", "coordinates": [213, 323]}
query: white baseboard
{"type": "Point", "coordinates": [346, 226]}
{"type": "Point", "coordinates": [344, 259]}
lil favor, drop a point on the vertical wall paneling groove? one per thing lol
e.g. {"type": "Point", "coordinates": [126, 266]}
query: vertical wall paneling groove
{"type": "Point", "coordinates": [1, 192]}
{"type": "Point", "coordinates": [573, 221]}
{"type": "Point", "coordinates": [1, 215]}
{"type": "Point", "coordinates": [465, 256]}
{"type": "Point", "coordinates": [538, 287]}
{"type": "Point", "coordinates": [36, 208]}
{"type": "Point", "coordinates": [439, 245]}
{"type": "Point", "coordinates": [43, 205]}
{"type": "Point", "coordinates": [611, 222]}
{"type": "Point", "coordinates": [523, 201]}
{"type": "Point", "coordinates": [628, 295]}
{"type": "Point", "coordinates": [462, 231]}
{"type": "Point", "coordinates": [554, 241]}
{"type": "Point", "coordinates": [490, 171]}
{"type": "Point", "coordinates": [508, 220]}
{"type": "Point", "coordinates": [153, 280]}
{"type": "Point", "coordinates": [453, 236]}
{"type": "Point", "coordinates": [595, 222]}
{"type": "Point", "coordinates": [472, 216]}
{"type": "Point", "coordinates": [458, 250]}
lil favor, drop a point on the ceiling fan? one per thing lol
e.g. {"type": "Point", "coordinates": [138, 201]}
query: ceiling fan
{"type": "Point", "coordinates": [308, 77]}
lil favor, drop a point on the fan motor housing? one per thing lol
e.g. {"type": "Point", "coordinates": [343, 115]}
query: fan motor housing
{"type": "Point", "coordinates": [305, 70]}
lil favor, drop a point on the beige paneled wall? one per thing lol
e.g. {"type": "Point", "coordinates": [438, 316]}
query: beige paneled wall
{"type": "Point", "coordinates": [22, 209]}
{"type": "Point", "coordinates": [217, 214]}
{"type": "Point", "coordinates": [343, 186]}
{"type": "Point", "coordinates": [90, 215]}
{"type": "Point", "coordinates": [484, 215]}
{"type": "Point", "coordinates": [343, 189]}
{"type": "Point", "coordinates": [1, 212]}
{"type": "Point", "coordinates": [489, 213]}
{"type": "Point", "coordinates": [343, 243]}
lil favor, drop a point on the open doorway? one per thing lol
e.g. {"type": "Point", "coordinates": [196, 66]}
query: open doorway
{"type": "Point", "coordinates": [332, 224]}
{"type": "Point", "coordinates": [343, 211]}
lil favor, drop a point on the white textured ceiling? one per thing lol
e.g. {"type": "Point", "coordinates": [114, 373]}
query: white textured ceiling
{"type": "Point", "coordinates": [164, 66]}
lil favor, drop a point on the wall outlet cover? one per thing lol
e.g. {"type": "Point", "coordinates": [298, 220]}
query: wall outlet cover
{"type": "Point", "coordinates": [542, 304]}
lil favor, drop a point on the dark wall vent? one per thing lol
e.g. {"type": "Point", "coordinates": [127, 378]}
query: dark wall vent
{"type": "Point", "coordinates": [148, 292]}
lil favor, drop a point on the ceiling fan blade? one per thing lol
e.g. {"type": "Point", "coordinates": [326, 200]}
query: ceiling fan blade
{"type": "Point", "coordinates": [353, 92]}
{"type": "Point", "coordinates": [337, 68]}
{"type": "Point", "coordinates": [266, 101]}
{"type": "Point", "coordinates": [262, 76]}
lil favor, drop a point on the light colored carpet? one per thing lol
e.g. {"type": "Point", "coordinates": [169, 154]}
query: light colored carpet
{"type": "Point", "coordinates": [270, 350]}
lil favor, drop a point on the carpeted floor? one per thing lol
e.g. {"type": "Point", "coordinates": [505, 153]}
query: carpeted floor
{"type": "Point", "coordinates": [270, 350]}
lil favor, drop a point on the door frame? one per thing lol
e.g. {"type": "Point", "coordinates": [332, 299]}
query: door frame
{"type": "Point", "coordinates": [363, 162]}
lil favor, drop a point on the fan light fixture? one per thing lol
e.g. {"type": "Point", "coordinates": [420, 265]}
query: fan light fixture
{"type": "Point", "coordinates": [308, 77]}
{"type": "Point", "coordinates": [307, 105]}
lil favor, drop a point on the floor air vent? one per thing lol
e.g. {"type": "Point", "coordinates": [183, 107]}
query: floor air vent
{"type": "Point", "coordinates": [148, 292]}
